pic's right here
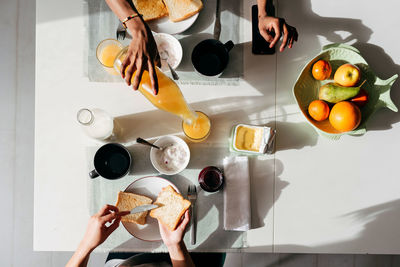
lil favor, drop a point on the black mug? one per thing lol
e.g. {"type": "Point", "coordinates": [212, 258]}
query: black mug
{"type": "Point", "coordinates": [111, 161]}
{"type": "Point", "coordinates": [210, 57]}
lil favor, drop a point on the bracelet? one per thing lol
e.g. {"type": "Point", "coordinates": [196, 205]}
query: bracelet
{"type": "Point", "coordinates": [129, 18]}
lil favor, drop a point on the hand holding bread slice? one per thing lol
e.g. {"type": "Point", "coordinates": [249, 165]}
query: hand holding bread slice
{"type": "Point", "coordinates": [171, 204]}
{"type": "Point", "coordinates": [172, 207]}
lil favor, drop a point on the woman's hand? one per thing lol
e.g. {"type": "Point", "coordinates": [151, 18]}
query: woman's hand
{"type": "Point", "coordinates": [173, 238]}
{"type": "Point", "coordinates": [174, 242]}
{"type": "Point", "coordinates": [141, 55]}
{"type": "Point", "coordinates": [97, 231]}
{"type": "Point", "coordinates": [272, 28]}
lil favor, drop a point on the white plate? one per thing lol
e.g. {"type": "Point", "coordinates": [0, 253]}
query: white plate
{"type": "Point", "coordinates": [147, 186]}
{"type": "Point", "coordinates": [166, 26]}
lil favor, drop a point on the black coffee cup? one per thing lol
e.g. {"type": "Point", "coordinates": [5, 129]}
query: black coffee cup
{"type": "Point", "coordinates": [111, 161]}
{"type": "Point", "coordinates": [210, 57]}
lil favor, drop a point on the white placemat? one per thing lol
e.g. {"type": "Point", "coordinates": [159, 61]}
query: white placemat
{"type": "Point", "coordinates": [101, 24]}
{"type": "Point", "coordinates": [211, 237]}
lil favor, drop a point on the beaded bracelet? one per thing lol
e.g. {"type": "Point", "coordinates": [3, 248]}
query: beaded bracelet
{"type": "Point", "coordinates": [129, 18]}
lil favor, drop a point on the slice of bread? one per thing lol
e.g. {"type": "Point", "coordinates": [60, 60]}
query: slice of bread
{"type": "Point", "coordinates": [172, 207]}
{"type": "Point", "coordinates": [128, 201]}
{"type": "Point", "coordinates": [182, 9]}
{"type": "Point", "coordinates": [151, 9]}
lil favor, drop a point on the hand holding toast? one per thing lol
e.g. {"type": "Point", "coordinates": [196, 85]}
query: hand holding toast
{"type": "Point", "coordinates": [173, 238]}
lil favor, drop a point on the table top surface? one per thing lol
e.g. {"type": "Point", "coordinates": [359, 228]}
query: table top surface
{"type": "Point", "coordinates": [312, 195]}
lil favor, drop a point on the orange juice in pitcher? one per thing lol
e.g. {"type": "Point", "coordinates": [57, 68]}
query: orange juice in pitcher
{"type": "Point", "coordinates": [196, 126]}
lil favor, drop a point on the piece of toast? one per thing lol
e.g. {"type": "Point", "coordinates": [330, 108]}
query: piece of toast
{"type": "Point", "coordinates": [182, 9]}
{"type": "Point", "coordinates": [128, 201]}
{"type": "Point", "coordinates": [172, 207]}
{"type": "Point", "coordinates": [151, 9]}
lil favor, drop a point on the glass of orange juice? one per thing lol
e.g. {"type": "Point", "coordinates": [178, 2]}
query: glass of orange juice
{"type": "Point", "coordinates": [199, 129]}
{"type": "Point", "coordinates": [106, 52]}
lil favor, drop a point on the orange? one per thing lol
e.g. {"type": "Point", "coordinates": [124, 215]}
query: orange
{"type": "Point", "coordinates": [345, 116]}
{"type": "Point", "coordinates": [318, 110]}
{"type": "Point", "coordinates": [321, 70]}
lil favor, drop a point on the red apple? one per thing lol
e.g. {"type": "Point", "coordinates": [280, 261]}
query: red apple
{"type": "Point", "coordinates": [347, 75]}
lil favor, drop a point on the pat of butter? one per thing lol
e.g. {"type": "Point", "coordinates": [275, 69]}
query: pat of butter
{"type": "Point", "coordinates": [249, 138]}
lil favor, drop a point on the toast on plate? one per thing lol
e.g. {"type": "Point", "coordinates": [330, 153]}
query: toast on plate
{"type": "Point", "coordinates": [151, 9]}
{"type": "Point", "coordinates": [182, 9]}
{"type": "Point", "coordinates": [172, 207]}
{"type": "Point", "coordinates": [128, 201]}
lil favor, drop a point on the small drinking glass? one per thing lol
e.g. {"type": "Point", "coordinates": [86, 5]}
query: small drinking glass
{"type": "Point", "coordinates": [106, 52]}
{"type": "Point", "coordinates": [211, 179]}
{"type": "Point", "coordinates": [198, 130]}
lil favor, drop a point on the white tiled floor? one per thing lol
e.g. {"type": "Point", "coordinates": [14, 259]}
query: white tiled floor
{"type": "Point", "coordinates": [17, 28]}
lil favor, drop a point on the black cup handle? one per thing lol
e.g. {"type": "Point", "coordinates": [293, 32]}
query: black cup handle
{"type": "Point", "coordinates": [93, 174]}
{"type": "Point", "coordinates": [229, 45]}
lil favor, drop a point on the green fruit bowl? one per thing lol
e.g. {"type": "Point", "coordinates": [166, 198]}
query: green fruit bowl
{"type": "Point", "coordinates": [306, 88]}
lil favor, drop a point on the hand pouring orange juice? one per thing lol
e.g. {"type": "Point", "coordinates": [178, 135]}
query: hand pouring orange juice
{"type": "Point", "coordinates": [196, 126]}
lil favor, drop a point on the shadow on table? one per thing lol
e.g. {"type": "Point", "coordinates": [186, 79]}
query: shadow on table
{"type": "Point", "coordinates": [384, 67]}
{"type": "Point", "coordinates": [223, 112]}
{"type": "Point", "coordinates": [262, 180]}
{"type": "Point", "coordinates": [294, 135]}
{"type": "Point", "coordinates": [147, 125]}
{"type": "Point", "coordinates": [376, 234]}
{"type": "Point", "coordinates": [141, 164]}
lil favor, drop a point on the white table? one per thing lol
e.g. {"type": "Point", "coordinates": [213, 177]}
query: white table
{"type": "Point", "coordinates": [312, 195]}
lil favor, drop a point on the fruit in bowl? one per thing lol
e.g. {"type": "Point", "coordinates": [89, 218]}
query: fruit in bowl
{"type": "Point", "coordinates": [376, 96]}
{"type": "Point", "coordinates": [318, 110]}
{"type": "Point", "coordinates": [361, 99]}
{"type": "Point", "coordinates": [347, 75]}
{"type": "Point", "coordinates": [345, 116]}
{"type": "Point", "coordinates": [334, 93]}
{"type": "Point", "coordinates": [321, 70]}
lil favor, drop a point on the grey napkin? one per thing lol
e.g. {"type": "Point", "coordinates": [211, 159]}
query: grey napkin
{"type": "Point", "coordinates": [237, 209]}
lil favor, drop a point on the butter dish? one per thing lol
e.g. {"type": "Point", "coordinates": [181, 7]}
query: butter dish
{"type": "Point", "coordinates": [252, 140]}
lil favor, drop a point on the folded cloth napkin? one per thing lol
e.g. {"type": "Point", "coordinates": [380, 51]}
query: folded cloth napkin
{"type": "Point", "coordinates": [237, 209]}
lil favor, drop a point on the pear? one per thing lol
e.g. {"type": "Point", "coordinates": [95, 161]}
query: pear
{"type": "Point", "coordinates": [334, 93]}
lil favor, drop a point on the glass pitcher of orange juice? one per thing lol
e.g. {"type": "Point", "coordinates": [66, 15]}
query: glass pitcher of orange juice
{"type": "Point", "coordinates": [196, 125]}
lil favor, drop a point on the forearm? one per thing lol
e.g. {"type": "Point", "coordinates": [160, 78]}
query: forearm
{"type": "Point", "coordinates": [123, 9]}
{"type": "Point", "coordinates": [80, 257]}
{"type": "Point", "coordinates": [262, 7]}
{"type": "Point", "coordinates": [180, 256]}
